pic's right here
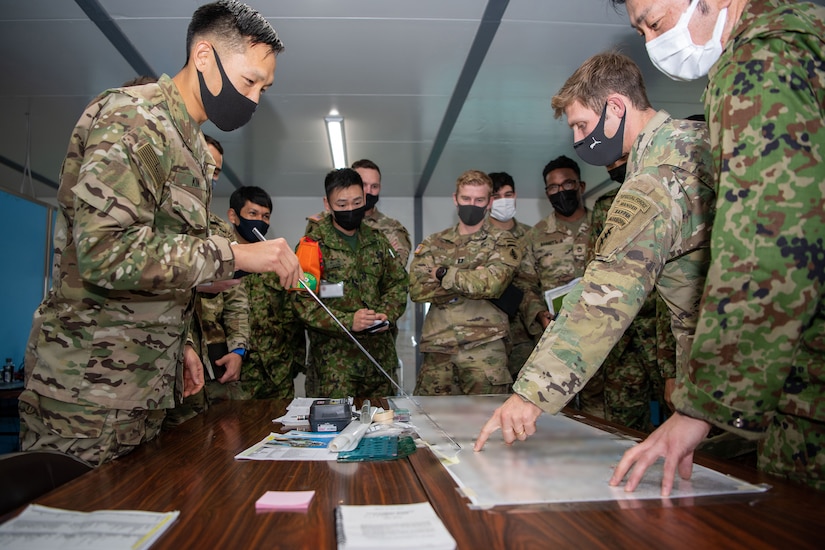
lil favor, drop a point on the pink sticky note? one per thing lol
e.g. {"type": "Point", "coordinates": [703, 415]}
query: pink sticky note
{"type": "Point", "coordinates": [289, 501]}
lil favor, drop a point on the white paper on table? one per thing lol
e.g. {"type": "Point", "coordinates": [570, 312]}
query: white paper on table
{"type": "Point", "coordinates": [396, 526]}
{"type": "Point", "coordinates": [40, 527]}
{"type": "Point", "coordinates": [292, 445]}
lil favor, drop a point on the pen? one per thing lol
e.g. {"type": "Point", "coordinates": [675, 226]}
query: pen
{"type": "Point", "coordinates": [257, 233]}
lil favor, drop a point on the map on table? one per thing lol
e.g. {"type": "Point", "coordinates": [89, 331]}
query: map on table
{"type": "Point", "coordinates": [564, 461]}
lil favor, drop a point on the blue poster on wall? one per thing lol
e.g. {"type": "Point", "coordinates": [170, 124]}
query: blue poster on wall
{"type": "Point", "coordinates": [26, 250]}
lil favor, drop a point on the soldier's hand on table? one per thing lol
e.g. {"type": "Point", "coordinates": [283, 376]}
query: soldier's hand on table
{"type": "Point", "coordinates": [674, 440]}
{"type": "Point", "coordinates": [192, 372]}
{"type": "Point", "coordinates": [269, 256]}
{"type": "Point", "coordinates": [516, 418]}
{"type": "Point", "coordinates": [217, 287]}
{"type": "Point", "coordinates": [232, 361]}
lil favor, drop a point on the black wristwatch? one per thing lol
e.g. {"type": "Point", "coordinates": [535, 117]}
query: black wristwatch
{"type": "Point", "coordinates": [440, 272]}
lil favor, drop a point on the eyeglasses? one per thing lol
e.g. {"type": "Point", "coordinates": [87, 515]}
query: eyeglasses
{"type": "Point", "coordinates": [566, 185]}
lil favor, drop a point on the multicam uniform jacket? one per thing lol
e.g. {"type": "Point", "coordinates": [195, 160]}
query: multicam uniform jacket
{"type": "Point", "coordinates": [657, 232]}
{"type": "Point", "coordinates": [131, 244]}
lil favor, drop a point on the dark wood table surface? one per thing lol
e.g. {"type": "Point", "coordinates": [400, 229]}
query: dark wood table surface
{"type": "Point", "coordinates": [192, 469]}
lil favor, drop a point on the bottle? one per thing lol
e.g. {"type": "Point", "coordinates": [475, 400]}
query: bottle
{"type": "Point", "coordinates": [8, 371]}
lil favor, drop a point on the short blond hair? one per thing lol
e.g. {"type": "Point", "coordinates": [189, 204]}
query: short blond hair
{"type": "Point", "coordinates": [474, 177]}
{"type": "Point", "coordinates": [598, 77]}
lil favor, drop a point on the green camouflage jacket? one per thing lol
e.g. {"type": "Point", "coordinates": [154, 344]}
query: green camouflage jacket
{"type": "Point", "coordinates": [657, 232]}
{"type": "Point", "coordinates": [131, 244]}
{"type": "Point", "coordinates": [277, 347]}
{"type": "Point", "coordinates": [760, 345]}
{"type": "Point", "coordinates": [373, 278]}
{"type": "Point", "coordinates": [479, 268]}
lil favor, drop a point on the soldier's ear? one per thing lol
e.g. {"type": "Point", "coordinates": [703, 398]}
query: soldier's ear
{"type": "Point", "coordinates": [233, 217]}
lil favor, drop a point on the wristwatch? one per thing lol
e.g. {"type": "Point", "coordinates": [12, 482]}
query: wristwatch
{"type": "Point", "coordinates": [440, 272]}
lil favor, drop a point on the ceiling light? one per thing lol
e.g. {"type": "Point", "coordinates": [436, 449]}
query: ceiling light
{"type": "Point", "coordinates": [337, 144]}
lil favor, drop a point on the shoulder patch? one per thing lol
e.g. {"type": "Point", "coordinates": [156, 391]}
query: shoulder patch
{"type": "Point", "coordinates": [418, 248]}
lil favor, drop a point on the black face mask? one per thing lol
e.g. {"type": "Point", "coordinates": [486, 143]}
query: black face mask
{"type": "Point", "coordinates": [349, 219]}
{"type": "Point", "coordinates": [618, 174]}
{"type": "Point", "coordinates": [565, 202]}
{"type": "Point", "coordinates": [371, 200]}
{"type": "Point", "coordinates": [230, 109]}
{"type": "Point", "coordinates": [471, 214]}
{"type": "Point", "coordinates": [246, 226]}
{"type": "Point", "coordinates": [598, 149]}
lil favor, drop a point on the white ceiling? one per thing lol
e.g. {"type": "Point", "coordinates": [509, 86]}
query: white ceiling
{"type": "Point", "coordinates": [416, 95]}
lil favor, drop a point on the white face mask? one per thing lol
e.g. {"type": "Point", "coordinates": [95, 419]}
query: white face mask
{"type": "Point", "coordinates": [503, 209]}
{"type": "Point", "coordinates": [675, 54]}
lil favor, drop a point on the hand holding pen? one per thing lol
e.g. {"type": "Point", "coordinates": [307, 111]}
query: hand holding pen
{"type": "Point", "coordinates": [269, 256]}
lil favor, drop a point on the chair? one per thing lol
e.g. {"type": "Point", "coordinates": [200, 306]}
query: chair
{"type": "Point", "coordinates": [26, 475]}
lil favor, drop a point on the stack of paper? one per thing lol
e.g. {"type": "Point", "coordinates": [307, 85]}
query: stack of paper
{"type": "Point", "coordinates": [43, 527]}
{"type": "Point", "coordinates": [396, 526]}
{"type": "Point", "coordinates": [284, 501]}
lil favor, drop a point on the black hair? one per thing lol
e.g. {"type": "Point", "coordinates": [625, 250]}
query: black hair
{"type": "Point", "coordinates": [341, 179]}
{"type": "Point", "coordinates": [233, 23]}
{"type": "Point", "coordinates": [501, 179]}
{"type": "Point", "coordinates": [214, 143]}
{"type": "Point", "coordinates": [250, 193]}
{"type": "Point", "coordinates": [561, 162]}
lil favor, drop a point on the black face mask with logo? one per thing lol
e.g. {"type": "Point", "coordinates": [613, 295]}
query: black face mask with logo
{"type": "Point", "coordinates": [230, 109]}
{"type": "Point", "coordinates": [349, 219]}
{"type": "Point", "coordinates": [598, 149]}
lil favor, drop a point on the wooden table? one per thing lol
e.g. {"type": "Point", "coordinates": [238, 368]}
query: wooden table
{"type": "Point", "coordinates": [192, 469]}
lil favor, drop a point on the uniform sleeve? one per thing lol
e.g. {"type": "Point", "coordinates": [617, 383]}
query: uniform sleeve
{"type": "Point", "coordinates": [491, 279]}
{"type": "Point", "coordinates": [423, 286]}
{"type": "Point", "coordinates": [394, 285]}
{"type": "Point", "coordinates": [126, 239]}
{"type": "Point", "coordinates": [236, 317]}
{"type": "Point", "coordinates": [527, 280]}
{"type": "Point", "coordinates": [596, 313]}
{"type": "Point", "coordinates": [759, 339]}
{"type": "Point", "coordinates": [404, 244]}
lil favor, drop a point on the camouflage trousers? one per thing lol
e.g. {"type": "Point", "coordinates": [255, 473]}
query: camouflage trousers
{"type": "Point", "coordinates": [479, 370]}
{"type": "Point", "coordinates": [212, 392]}
{"type": "Point", "coordinates": [358, 379]}
{"type": "Point", "coordinates": [95, 435]}
{"type": "Point", "coordinates": [795, 449]}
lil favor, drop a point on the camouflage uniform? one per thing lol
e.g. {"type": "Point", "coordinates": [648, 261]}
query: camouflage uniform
{"type": "Point", "coordinates": [657, 232]}
{"type": "Point", "coordinates": [463, 335]}
{"type": "Point", "coordinates": [758, 364]}
{"type": "Point", "coordinates": [220, 320]}
{"type": "Point", "coordinates": [373, 278]}
{"type": "Point", "coordinates": [131, 244]}
{"type": "Point", "coordinates": [557, 253]}
{"type": "Point", "coordinates": [521, 342]}
{"type": "Point", "coordinates": [277, 345]}
{"type": "Point", "coordinates": [391, 228]}
{"type": "Point", "coordinates": [637, 366]}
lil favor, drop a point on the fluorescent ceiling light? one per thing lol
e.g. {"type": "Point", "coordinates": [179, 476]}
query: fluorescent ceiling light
{"type": "Point", "coordinates": [337, 144]}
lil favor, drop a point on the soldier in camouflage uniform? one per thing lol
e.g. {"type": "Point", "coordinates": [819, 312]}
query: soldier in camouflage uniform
{"type": "Point", "coordinates": [459, 271]}
{"type": "Point", "coordinates": [556, 253]}
{"type": "Point", "coordinates": [637, 367]}
{"type": "Point", "coordinates": [106, 352]}
{"type": "Point", "coordinates": [657, 233]}
{"type": "Point", "coordinates": [277, 345]}
{"type": "Point", "coordinates": [502, 216]}
{"type": "Point", "coordinates": [374, 287]}
{"type": "Point", "coordinates": [219, 330]}
{"type": "Point", "coordinates": [757, 367]}
{"type": "Point", "coordinates": [391, 228]}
